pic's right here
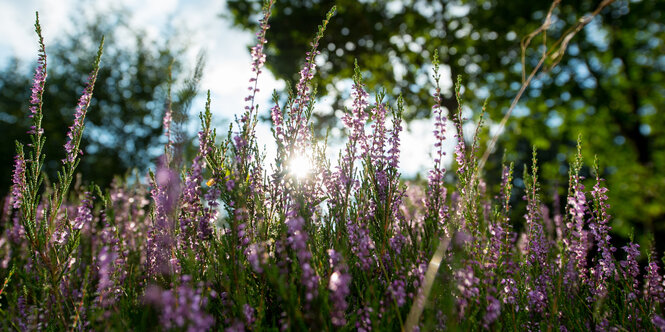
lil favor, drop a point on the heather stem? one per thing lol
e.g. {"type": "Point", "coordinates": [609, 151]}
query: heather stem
{"type": "Point", "coordinates": [65, 176]}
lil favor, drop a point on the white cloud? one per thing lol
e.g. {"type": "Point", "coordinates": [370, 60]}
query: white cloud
{"type": "Point", "coordinates": [17, 26]}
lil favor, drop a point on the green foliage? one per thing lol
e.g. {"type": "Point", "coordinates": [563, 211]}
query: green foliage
{"type": "Point", "coordinates": [608, 86]}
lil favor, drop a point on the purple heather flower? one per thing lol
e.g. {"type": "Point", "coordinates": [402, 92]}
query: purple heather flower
{"type": "Point", "coordinates": [658, 322]}
{"type": "Point", "coordinates": [341, 183]}
{"type": "Point", "coordinates": [397, 292]}
{"type": "Point", "coordinates": [297, 128]}
{"type": "Point", "coordinates": [418, 270]}
{"type": "Point", "coordinates": [435, 188]}
{"type": "Point", "coordinates": [339, 290]}
{"type": "Point", "coordinates": [460, 147]}
{"type": "Point", "coordinates": [38, 84]}
{"type": "Point", "coordinates": [22, 313]}
{"type": "Point", "coordinates": [339, 286]}
{"type": "Point", "coordinates": [378, 135]}
{"type": "Point", "coordinates": [537, 244]}
{"type": "Point", "coordinates": [397, 241]}
{"type": "Point", "coordinates": [236, 326]}
{"type": "Point", "coordinates": [83, 213]}
{"type": "Point", "coordinates": [653, 283]}
{"type": "Point", "coordinates": [599, 194]}
{"type": "Point", "coordinates": [18, 180]}
{"type": "Point", "coordinates": [76, 129]}
{"type": "Point", "coordinates": [394, 141]}
{"type": "Point", "coordinates": [14, 231]}
{"type": "Point", "coordinates": [506, 186]}
{"type": "Point", "coordinates": [230, 184]}
{"type": "Point", "coordinates": [310, 280]}
{"type": "Point", "coordinates": [297, 240]}
{"type": "Point", "coordinates": [364, 322]}
{"type": "Point", "coordinates": [278, 123]}
{"type": "Point", "coordinates": [497, 248]}
{"type": "Point", "coordinates": [110, 265]}
{"type": "Point", "coordinates": [460, 151]}
{"type": "Point", "coordinates": [61, 232]}
{"type": "Point", "coordinates": [492, 312]}
{"type": "Point", "coordinates": [467, 285]}
{"type": "Point", "coordinates": [258, 56]}
{"type": "Point", "coordinates": [17, 232]}
{"type": "Point", "coordinates": [355, 121]}
{"type": "Point", "coordinates": [605, 268]}
{"type": "Point", "coordinates": [254, 253]}
{"type": "Point", "coordinates": [302, 100]}
{"type": "Point", "coordinates": [537, 299]}
{"type": "Point", "coordinates": [249, 314]}
{"type": "Point", "coordinates": [160, 237]}
{"type": "Point", "coordinates": [168, 118]}
{"type": "Point", "coordinates": [210, 213]}
{"type": "Point", "coordinates": [536, 249]}
{"type": "Point", "coordinates": [181, 307]}
{"type": "Point", "coordinates": [60, 235]}
{"type": "Point", "coordinates": [435, 178]}
{"type": "Point", "coordinates": [242, 231]}
{"type": "Point", "coordinates": [105, 262]}
{"type": "Point", "coordinates": [630, 267]}
{"type": "Point", "coordinates": [191, 196]}
{"type": "Point", "coordinates": [169, 183]}
{"type": "Point", "coordinates": [361, 244]}
{"type": "Point", "coordinates": [256, 186]}
{"type": "Point", "coordinates": [509, 291]}
{"type": "Point", "coordinates": [579, 237]}
{"type": "Point", "coordinates": [240, 143]}
{"type": "Point", "coordinates": [603, 325]}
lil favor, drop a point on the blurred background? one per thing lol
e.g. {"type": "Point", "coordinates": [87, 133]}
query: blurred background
{"type": "Point", "coordinates": [609, 87]}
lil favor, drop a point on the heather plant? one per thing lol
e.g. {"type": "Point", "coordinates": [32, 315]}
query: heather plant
{"type": "Point", "coordinates": [229, 241]}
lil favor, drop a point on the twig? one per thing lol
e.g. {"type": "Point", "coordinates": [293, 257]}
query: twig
{"type": "Point", "coordinates": [556, 51]}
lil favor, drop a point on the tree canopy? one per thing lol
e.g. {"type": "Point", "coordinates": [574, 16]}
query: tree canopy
{"type": "Point", "coordinates": [124, 125]}
{"type": "Point", "coordinates": [608, 87]}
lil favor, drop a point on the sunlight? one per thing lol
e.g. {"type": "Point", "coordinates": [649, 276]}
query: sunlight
{"type": "Point", "coordinates": [300, 166]}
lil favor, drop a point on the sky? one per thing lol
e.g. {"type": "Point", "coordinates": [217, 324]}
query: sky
{"type": "Point", "coordinates": [228, 63]}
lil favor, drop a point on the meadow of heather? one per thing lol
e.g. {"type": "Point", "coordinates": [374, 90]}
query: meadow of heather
{"type": "Point", "coordinates": [224, 239]}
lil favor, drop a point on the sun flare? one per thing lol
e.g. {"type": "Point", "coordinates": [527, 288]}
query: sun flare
{"type": "Point", "coordinates": [300, 166]}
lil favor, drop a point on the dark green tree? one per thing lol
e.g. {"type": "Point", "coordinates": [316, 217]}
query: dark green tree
{"type": "Point", "coordinates": [608, 87]}
{"type": "Point", "coordinates": [124, 124]}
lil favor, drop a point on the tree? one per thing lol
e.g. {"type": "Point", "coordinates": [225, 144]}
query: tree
{"type": "Point", "coordinates": [608, 87]}
{"type": "Point", "coordinates": [124, 125]}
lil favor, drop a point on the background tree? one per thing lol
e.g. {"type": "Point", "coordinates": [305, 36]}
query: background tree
{"type": "Point", "coordinates": [608, 87]}
{"type": "Point", "coordinates": [124, 125]}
